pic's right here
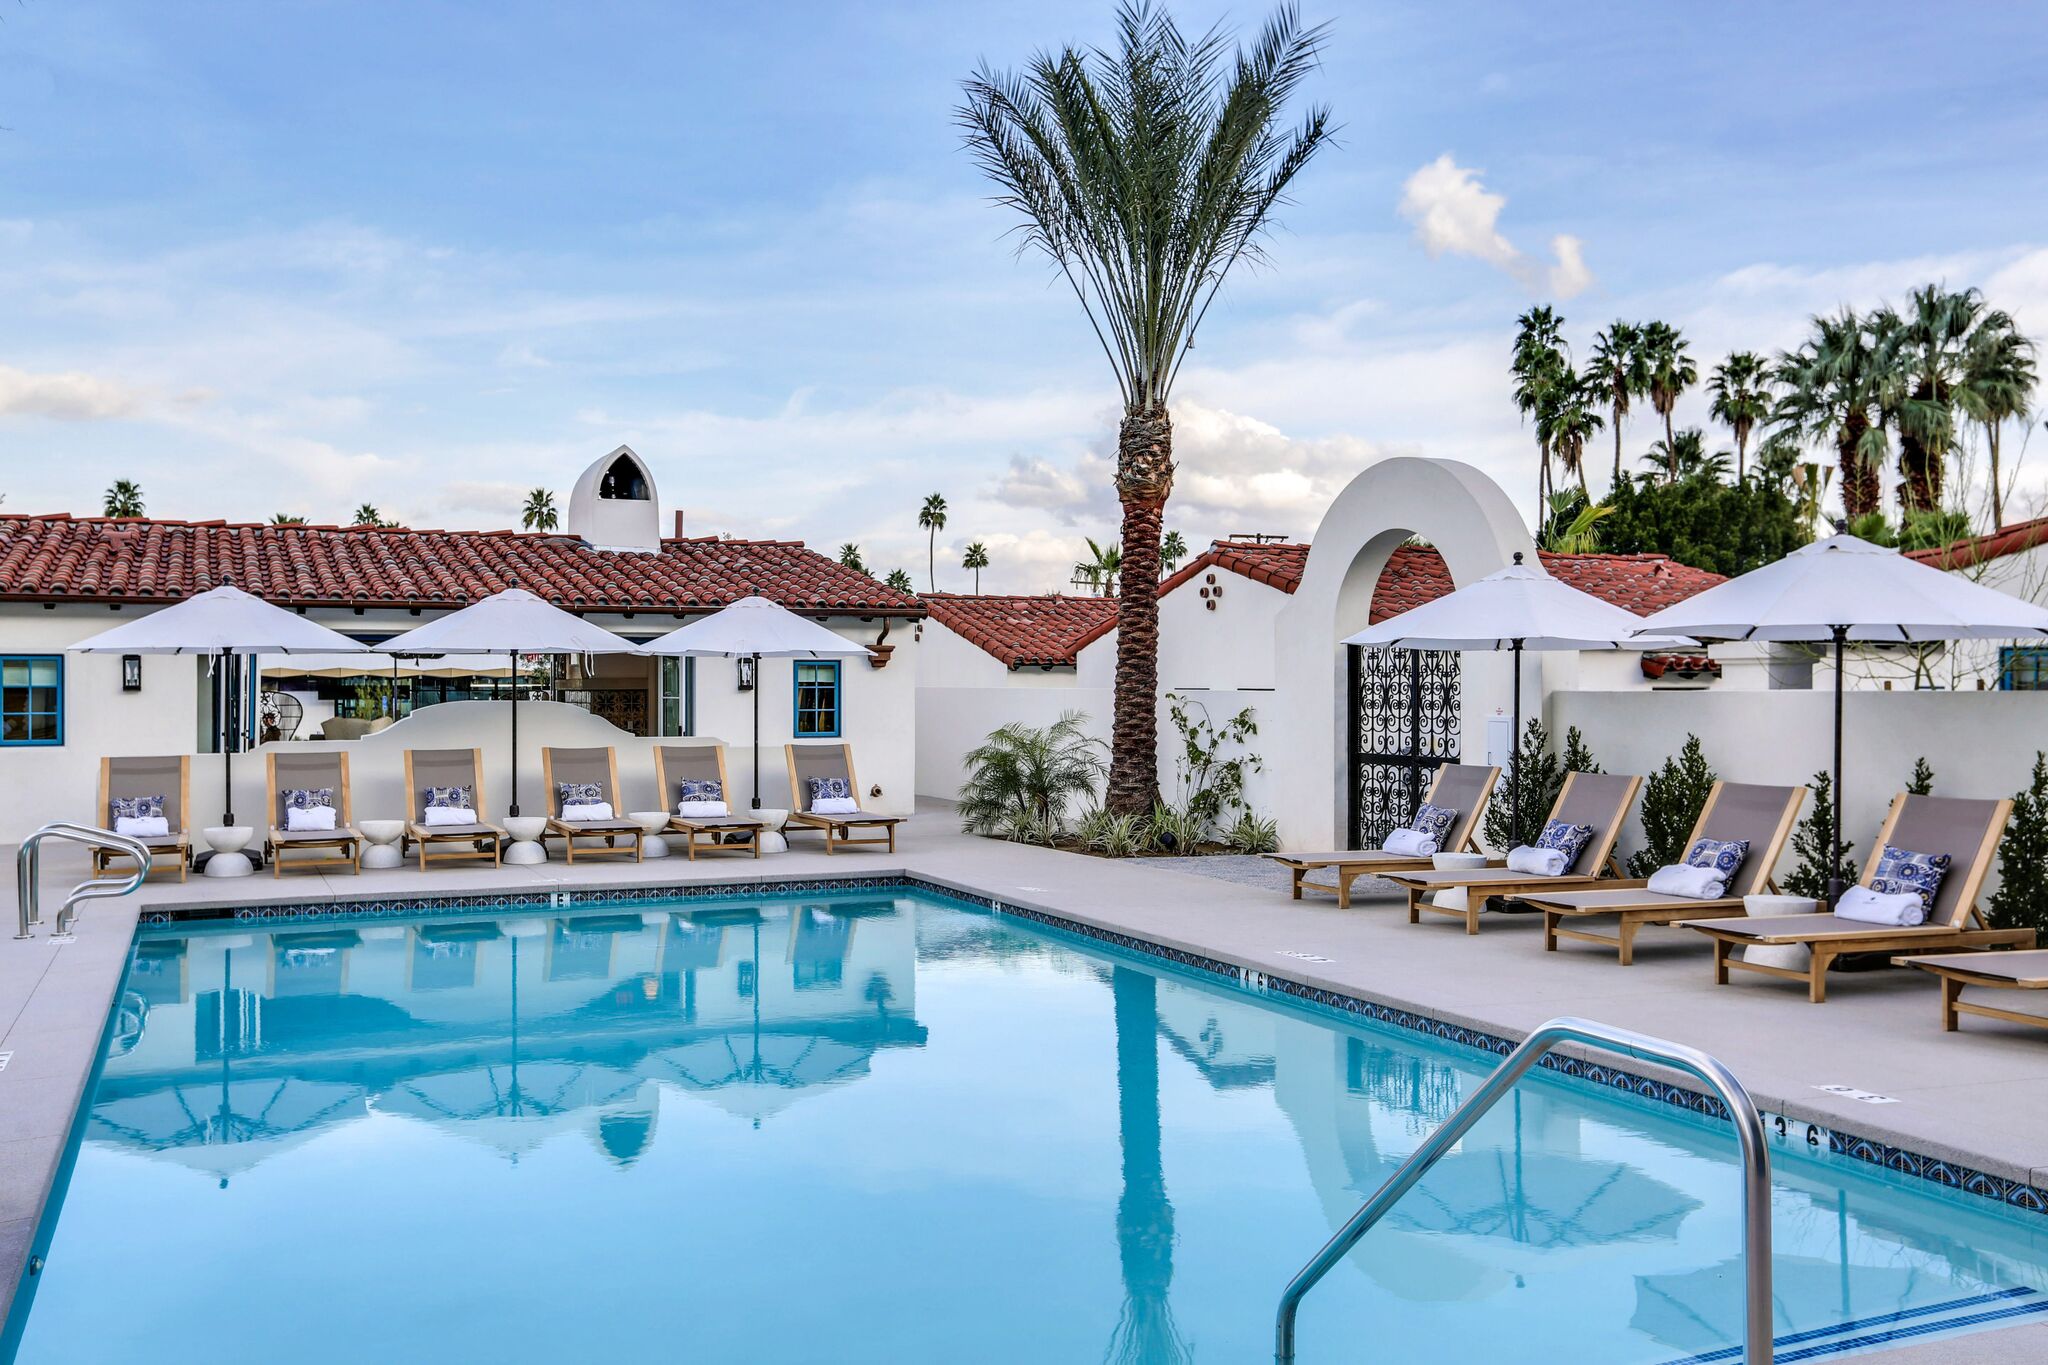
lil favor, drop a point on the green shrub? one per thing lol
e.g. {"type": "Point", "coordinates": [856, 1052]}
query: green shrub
{"type": "Point", "coordinates": [1253, 834]}
{"type": "Point", "coordinates": [1810, 844]}
{"type": "Point", "coordinates": [1176, 829]}
{"type": "Point", "coordinates": [1210, 786]}
{"type": "Point", "coordinates": [1673, 798]}
{"type": "Point", "coordinates": [1112, 835]}
{"type": "Point", "coordinates": [1540, 775]}
{"type": "Point", "coordinates": [1921, 783]}
{"type": "Point", "coordinates": [1020, 770]}
{"type": "Point", "coordinates": [2021, 901]}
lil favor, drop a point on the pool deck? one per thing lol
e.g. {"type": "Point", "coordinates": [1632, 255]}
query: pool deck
{"type": "Point", "coordinates": [1979, 1098]}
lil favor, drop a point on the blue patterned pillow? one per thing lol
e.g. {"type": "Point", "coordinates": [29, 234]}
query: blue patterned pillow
{"type": "Point", "coordinates": [701, 789]}
{"type": "Point", "coordinates": [308, 798]}
{"type": "Point", "coordinates": [1899, 871]}
{"type": "Point", "coordinates": [1434, 823]}
{"type": "Point", "coordinates": [1724, 856]}
{"type": "Point", "coordinates": [448, 798]}
{"type": "Point", "coordinates": [1566, 838]}
{"type": "Point", "coordinates": [830, 789]}
{"type": "Point", "coordinates": [137, 807]}
{"type": "Point", "coordinates": [579, 793]}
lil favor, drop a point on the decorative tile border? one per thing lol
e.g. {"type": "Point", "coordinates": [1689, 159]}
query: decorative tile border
{"type": "Point", "coordinates": [2013, 1193]}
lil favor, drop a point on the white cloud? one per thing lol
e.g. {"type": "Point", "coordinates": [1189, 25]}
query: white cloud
{"type": "Point", "coordinates": [72, 396]}
{"type": "Point", "coordinates": [1454, 214]}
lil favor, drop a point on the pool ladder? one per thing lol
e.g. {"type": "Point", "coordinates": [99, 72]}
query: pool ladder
{"type": "Point", "coordinates": [1749, 1131]}
{"type": "Point", "coordinates": [28, 880]}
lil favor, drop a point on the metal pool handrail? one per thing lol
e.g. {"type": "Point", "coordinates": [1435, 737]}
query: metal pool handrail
{"type": "Point", "coordinates": [1749, 1131]}
{"type": "Point", "coordinates": [28, 873]}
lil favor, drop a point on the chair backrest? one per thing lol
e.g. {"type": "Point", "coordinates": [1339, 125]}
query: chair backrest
{"type": "Point", "coordinates": [1757, 815]}
{"type": "Point", "coordinates": [807, 761]}
{"type": "Point", "coordinates": [1602, 801]}
{"type": "Point", "coordinates": [169, 777]}
{"type": "Point", "coordinates": [1464, 788]}
{"type": "Point", "coordinates": [1967, 830]}
{"type": "Point", "coordinates": [676, 763]}
{"type": "Point", "coordinates": [426, 768]}
{"type": "Point", "coordinates": [594, 766]}
{"type": "Point", "coordinates": [307, 771]}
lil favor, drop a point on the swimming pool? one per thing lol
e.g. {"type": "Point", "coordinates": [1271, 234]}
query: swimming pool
{"type": "Point", "coordinates": [885, 1127]}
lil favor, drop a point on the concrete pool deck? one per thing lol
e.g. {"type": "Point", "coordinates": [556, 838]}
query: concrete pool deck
{"type": "Point", "coordinates": [1976, 1098]}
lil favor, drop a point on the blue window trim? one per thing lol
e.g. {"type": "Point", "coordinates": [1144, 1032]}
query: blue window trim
{"type": "Point", "coordinates": [57, 659]}
{"type": "Point", "coordinates": [796, 692]}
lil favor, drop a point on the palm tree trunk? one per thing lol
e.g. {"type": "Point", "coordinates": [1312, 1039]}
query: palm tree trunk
{"type": "Point", "coordinates": [931, 559]}
{"type": "Point", "coordinates": [1997, 493]}
{"type": "Point", "coordinates": [1617, 444]}
{"type": "Point", "coordinates": [1861, 492]}
{"type": "Point", "coordinates": [1741, 455]}
{"type": "Point", "coordinates": [1144, 480]}
{"type": "Point", "coordinates": [1670, 444]}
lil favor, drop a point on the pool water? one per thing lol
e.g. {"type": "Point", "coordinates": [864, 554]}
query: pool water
{"type": "Point", "coordinates": [885, 1128]}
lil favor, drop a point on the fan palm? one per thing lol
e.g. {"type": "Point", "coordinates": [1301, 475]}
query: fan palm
{"type": "Point", "coordinates": [849, 557]}
{"type": "Point", "coordinates": [124, 499]}
{"type": "Point", "coordinates": [975, 560]}
{"type": "Point", "coordinates": [1145, 173]}
{"type": "Point", "coordinates": [539, 513]}
{"type": "Point", "coordinates": [1740, 386]}
{"type": "Point", "coordinates": [1570, 419]}
{"type": "Point", "coordinates": [932, 519]}
{"type": "Point", "coordinates": [1926, 363]}
{"type": "Point", "coordinates": [1998, 384]}
{"type": "Point", "coordinates": [366, 514]}
{"type": "Point", "coordinates": [899, 579]}
{"type": "Point", "coordinates": [1672, 372]}
{"type": "Point", "coordinates": [1685, 457]}
{"type": "Point", "coordinates": [286, 519]}
{"type": "Point", "coordinates": [1028, 771]}
{"type": "Point", "coordinates": [1539, 367]}
{"type": "Point", "coordinates": [1828, 391]}
{"type": "Point", "coordinates": [1102, 570]}
{"type": "Point", "coordinates": [1173, 548]}
{"type": "Point", "coordinates": [1623, 375]}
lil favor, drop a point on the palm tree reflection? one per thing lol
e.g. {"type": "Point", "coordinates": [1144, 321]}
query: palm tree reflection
{"type": "Point", "coordinates": [1145, 1333]}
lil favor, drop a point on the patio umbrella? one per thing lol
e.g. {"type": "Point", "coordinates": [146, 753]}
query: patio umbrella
{"type": "Point", "coordinates": [513, 621]}
{"type": "Point", "coordinates": [1842, 589]}
{"type": "Point", "coordinates": [1519, 608]}
{"type": "Point", "coordinates": [754, 628]}
{"type": "Point", "coordinates": [224, 622]}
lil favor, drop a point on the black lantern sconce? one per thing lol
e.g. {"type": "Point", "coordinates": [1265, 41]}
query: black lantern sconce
{"type": "Point", "coordinates": [746, 673]}
{"type": "Point", "coordinates": [131, 672]}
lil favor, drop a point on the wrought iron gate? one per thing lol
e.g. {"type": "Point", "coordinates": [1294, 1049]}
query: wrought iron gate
{"type": "Point", "coordinates": [1404, 726]}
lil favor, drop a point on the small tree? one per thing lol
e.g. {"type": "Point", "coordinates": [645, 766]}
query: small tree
{"type": "Point", "coordinates": [1810, 842]}
{"type": "Point", "coordinates": [1672, 801]}
{"type": "Point", "coordinates": [123, 499]}
{"type": "Point", "coordinates": [2021, 901]}
{"type": "Point", "coordinates": [899, 579]}
{"type": "Point", "coordinates": [1538, 773]}
{"type": "Point", "coordinates": [974, 561]}
{"type": "Point", "coordinates": [849, 557]}
{"type": "Point", "coordinates": [1922, 781]}
{"type": "Point", "coordinates": [1022, 772]}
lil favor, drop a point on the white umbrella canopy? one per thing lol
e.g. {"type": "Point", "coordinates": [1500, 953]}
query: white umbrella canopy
{"type": "Point", "coordinates": [1842, 589]}
{"type": "Point", "coordinates": [353, 665]}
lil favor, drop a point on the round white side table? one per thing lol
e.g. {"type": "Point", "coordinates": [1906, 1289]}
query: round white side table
{"type": "Point", "coordinates": [227, 843]}
{"type": "Point", "coordinates": [1793, 956]}
{"type": "Point", "coordinates": [771, 818]}
{"type": "Point", "coordinates": [382, 837]}
{"type": "Point", "coordinates": [652, 823]}
{"type": "Point", "coordinates": [526, 847]}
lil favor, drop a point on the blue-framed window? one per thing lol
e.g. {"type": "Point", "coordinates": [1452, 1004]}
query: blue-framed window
{"type": "Point", "coordinates": [817, 699]}
{"type": "Point", "coordinates": [31, 699]}
{"type": "Point", "coordinates": [2023, 668]}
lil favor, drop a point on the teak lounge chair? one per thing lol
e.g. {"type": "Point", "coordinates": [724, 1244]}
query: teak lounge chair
{"type": "Point", "coordinates": [426, 768]}
{"type": "Point", "coordinates": [807, 761]}
{"type": "Point", "coordinates": [1601, 800]}
{"type": "Point", "coordinates": [1463, 787]}
{"type": "Point", "coordinates": [1762, 817]}
{"type": "Point", "coordinates": [1968, 831]}
{"type": "Point", "coordinates": [126, 778]}
{"type": "Point", "coordinates": [673, 764]}
{"type": "Point", "coordinates": [2025, 970]}
{"type": "Point", "coordinates": [593, 767]}
{"type": "Point", "coordinates": [310, 772]}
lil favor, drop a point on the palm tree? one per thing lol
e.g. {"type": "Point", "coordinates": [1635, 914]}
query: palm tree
{"type": "Point", "coordinates": [1928, 360]}
{"type": "Point", "coordinates": [1998, 384]}
{"type": "Point", "coordinates": [975, 560]}
{"type": "Point", "coordinates": [539, 513]}
{"type": "Point", "coordinates": [1569, 420]}
{"type": "Point", "coordinates": [367, 515]}
{"type": "Point", "coordinates": [1828, 391]}
{"type": "Point", "coordinates": [932, 517]}
{"type": "Point", "coordinates": [124, 499]}
{"type": "Point", "coordinates": [1672, 372]}
{"type": "Point", "coordinates": [849, 556]}
{"type": "Point", "coordinates": [1619, 368]}
{"type": "Point", "coordinates": [1741, 389]}
{"type": "Point", "coordinates": [1539, 366]}
{"type": "Point", "coordinates": [899, 579]}
{"type": "Point", "coordinates": [1101, 571]}
{"type": "Point", "coordinates": [1145, 173]}
{"type": "Point", "coordinates": [286, 519]}
{"type": "Point", "coordinates": [1686, 457]}
{"type": "Point", "coordinates": [1581, 534]}
{"type": "Point", "coordinates": [1172, 550]}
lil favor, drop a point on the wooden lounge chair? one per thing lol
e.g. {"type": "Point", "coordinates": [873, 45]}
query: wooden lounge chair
{"type": "Point", "coordinates": [807, 761]}
{"type": "Point", "coordinates": [170, 778]}
{"type": "Point", "coordinates": [1601, 800]}
{"type": "Point", "coordinates": [1463, 787]}
{"type": "Point", "coordinates": [2024, 970]}
{"type": "Point", "coordinates": [1968, 831]}
{"type": "Point", "coordinates": [321, 768]}
{"type": "Point", "coordinates": [426, 768]}
{"type": "Point", "coordinates": [592, 767]}
{"type": "Point", "coordinates": [673, 763]}
{"type": "Point", "coordinates": [1762, 817]}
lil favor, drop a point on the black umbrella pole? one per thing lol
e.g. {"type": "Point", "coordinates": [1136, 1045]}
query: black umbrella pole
{"type": "Point", "coordinates": [757, 732]}
{"type": "Point", "coordinates": [1835, 834]}
{"type": "Point", "coordinates": [231, 685]}
{"type": "Point", "coordinates": [1514, 750]}
{"type": "Point", "coordinates": [513, 809]}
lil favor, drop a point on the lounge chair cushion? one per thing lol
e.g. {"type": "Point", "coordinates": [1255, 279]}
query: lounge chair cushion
{"type": "Point", "coordinates": [464, 831]}
{"type": "Point", "coordinates": [1413, 842]}
{"type": "Point", "coordinates": [444, 798]}
{"type": "Point", "coordinates": [1900, 871]}
{"type": "Point", "coordinates": [579, 794]}
{"type": "Point", "coordinates": [701, 790]}
{"type": "Point", "coordinates": [1565, 837]}
{"type": "Point", "coordinates": [449, 815]}
{"type": "Point", "coordinates": [142, 826]}
{"type": "Point", "coordinates": [136, 808]}
{"type": "Point", "coordinates": [1539, 862]}
{"type": "Point", "coordinates": [1720, 856]}
{"type": "Point", "coordinates": [1433, 823]}
{"type": "Point", "coordinates": [829, 789]}
{"type": "Point", "coordinates": [308, 798]}
{"type": "Point", "coordinates": [1881, 907]}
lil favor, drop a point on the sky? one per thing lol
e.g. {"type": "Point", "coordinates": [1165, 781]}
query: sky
{"type": "Point", "coordinates": [266, 257]}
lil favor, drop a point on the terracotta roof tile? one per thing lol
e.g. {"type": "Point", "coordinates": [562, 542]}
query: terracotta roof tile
{"type": "Point", "coordinates": [132, 559]}
{"type": "Point", "coordinates": [1971, 551]}
{"type": "Point", "coordinates": [1042, 631]}
{"type": "Point", "coordinates": [1639, 583]}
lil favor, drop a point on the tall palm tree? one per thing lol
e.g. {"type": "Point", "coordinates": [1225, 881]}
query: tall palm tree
{"type": "Point", "coordinates": [124, 499]}
{"type": "Point", "coordinates": [1740, 386]}
{"type": "Point", "coordinates": [1998, 384]}
{"type": "Point", "coordinates": [1828, 391]}
{"type": "Point", "coordinates": [286, 519]}
{"type": "Point", "coordinates": [1928, 360]}
{"type": "Point", "coordinates": [1539, 367]}
{"type": "Point", "coordinates": [849, 557]}
{"type": "Point", "coordinates": [1173, 548]}
{"type": "Point", "coordinates": [975, 560]}
{"type": "Point", "coordinates": [1145, 173]}
{"type": "Point", "coordinates": [1101, 571]}
{"type": "Point", "coordinates": [539, 513]}
{"type": "Point", "coordinates": [1672, 372]}
{"type": "Point", "coordinates": [932, 517]}
{"type": "Point", "coordinates": [1685, 457]}
{"type": "Point", "coordinates": [1570, 419]}
{"type": "Point", "coordinates": [1623, 374]}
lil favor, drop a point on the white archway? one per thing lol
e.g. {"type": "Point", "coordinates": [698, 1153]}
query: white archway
{"type": "Point", "coordinates": [1457, 509]}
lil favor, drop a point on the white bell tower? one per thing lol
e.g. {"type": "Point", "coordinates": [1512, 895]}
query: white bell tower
{"type": "Point", "coordinates": [614, 505]}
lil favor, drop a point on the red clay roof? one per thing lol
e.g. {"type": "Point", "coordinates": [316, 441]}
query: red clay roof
{"type": "Point", "coordinates": [1967, 553]}
{"type": "Point", "coordinates": [1041, 631]}
{"type": "Point", "coordinates": [135, 559]}
{"type": "Point", "coordinates": [1277, 565]}
{"type": "Point", "coordinates": [1639, 583]}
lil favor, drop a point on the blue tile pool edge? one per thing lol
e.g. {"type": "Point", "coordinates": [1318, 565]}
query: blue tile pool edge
{"type": "Point", "coordinates": [1951, 1175]}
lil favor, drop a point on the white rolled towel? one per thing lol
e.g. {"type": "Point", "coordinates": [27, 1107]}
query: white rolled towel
{"type": "Point", "coordinates": [588, 810]}
{"type": "Point", "coordinates": [448, 815]}
{"type": "Point", "coordinates": [310, 819]}
{"type": "Point", "coordinates": [1412, 842]}
{"type": "Point", "coordinates": [835, 805]}
{"type": "Point", "coordinates": [1536, 862]}
{"type": "Point", "coordinates": [142, 826]}
{"type": "Point", "coordinates": [702, 809]}
{"type": "Point", "coordinates": [1694, 883]}
{"type": "Point", "coordinates": [1860, 902]}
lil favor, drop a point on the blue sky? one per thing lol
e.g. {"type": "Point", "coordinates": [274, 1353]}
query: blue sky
{"type": "Point", "coordinates": [269, 257]}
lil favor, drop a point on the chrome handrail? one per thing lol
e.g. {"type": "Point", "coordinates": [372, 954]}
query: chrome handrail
{"type": "Point", "coordinates": [1749, 1131]}
{"type": "Point", "coordinates": [28, 869]}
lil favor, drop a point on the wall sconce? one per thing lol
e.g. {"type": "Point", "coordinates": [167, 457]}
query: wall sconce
{"type": "Point", "coordinates": [131, 672]}
{"type": "Point", "coordinates": [746, 673]}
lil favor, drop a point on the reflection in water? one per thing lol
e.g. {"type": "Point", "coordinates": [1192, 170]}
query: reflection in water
{"type": "Point", "coordinates": [1145, 1334]}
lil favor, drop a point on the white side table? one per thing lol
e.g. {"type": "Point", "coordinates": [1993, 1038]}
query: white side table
{"type": "Point", "coordinates": [1793, 956]}
{"type": "Point", "coordinates": [769, 817]}
{"type": "Point", "coordinates": [526, 847]}
{"type": "Point", "coordinates": [652, 823]}
{"type": "Point", "coordinates": [382, 837]}
{"type": "Point", "coordinates": [227, 843]}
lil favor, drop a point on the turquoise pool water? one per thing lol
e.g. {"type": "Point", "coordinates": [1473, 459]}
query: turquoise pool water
{"type": "Point", "coordinates": [881, 1128]}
